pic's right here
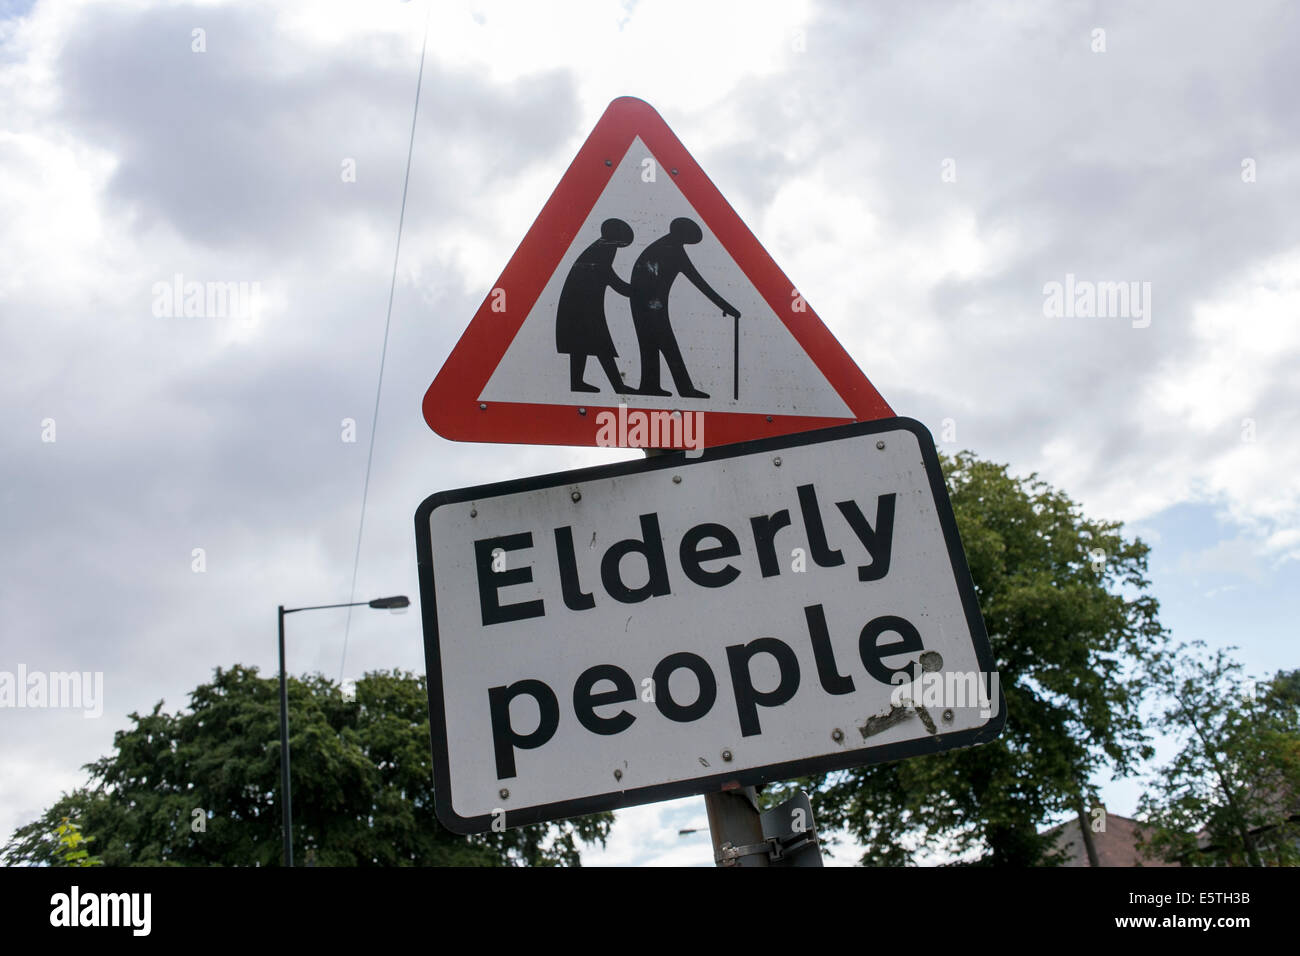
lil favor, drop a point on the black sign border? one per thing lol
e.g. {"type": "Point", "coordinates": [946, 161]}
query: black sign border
{"type": "Point", "coordinates": [710, 783]}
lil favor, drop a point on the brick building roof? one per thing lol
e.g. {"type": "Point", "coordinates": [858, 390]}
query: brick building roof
{"type": "Point", "coordinates": [1116, 845]}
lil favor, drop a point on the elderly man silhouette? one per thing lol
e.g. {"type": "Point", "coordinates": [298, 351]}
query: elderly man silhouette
{"type": "Point", "coordinates": [581, 329]}
{"type": "Point", "coordinates": [653, 275]}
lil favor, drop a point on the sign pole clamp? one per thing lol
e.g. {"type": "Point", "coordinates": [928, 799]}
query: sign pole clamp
{"type": "Point", "coordinates": [777, 849]}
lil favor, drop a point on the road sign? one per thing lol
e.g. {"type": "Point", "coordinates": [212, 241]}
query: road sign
{"type": "Point", "coordinates": [638, 286]}
{"type": "Point", "coordinates": [652, 629]}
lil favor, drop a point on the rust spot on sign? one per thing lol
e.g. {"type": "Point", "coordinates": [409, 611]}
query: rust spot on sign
{"type": "Point", "coordinates": [883, 722]}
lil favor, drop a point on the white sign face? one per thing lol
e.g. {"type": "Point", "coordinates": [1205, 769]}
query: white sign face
{"type": "Point", "coordinates": [643, 195]}
{"type": "Point", "coordinates": [647, 630]}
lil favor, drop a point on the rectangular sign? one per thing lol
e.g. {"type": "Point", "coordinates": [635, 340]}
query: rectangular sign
{"type": "Point", "coordinates": [652, 629]}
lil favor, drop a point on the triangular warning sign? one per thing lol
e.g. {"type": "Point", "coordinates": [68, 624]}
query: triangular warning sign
{"type": "Point", "coordinates": [640, 311]}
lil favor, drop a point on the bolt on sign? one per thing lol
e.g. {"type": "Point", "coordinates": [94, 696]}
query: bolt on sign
{"type": "Point", "coordinates": [640, 311]}
{"type": "Point", "coordinates": [647, 630]}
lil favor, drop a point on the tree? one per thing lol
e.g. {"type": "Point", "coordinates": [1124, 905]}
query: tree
{"type": "Point", "coordinates": [201, 788]}
{"type": "Point", "coordinates": [71, 849]}
{"type": "Point", "coordinates": [1069, 624]}
{"type": "Point", "coordinates": [1230, 796]}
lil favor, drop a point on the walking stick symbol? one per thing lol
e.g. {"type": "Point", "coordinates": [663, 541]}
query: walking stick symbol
{"type": "Point", "coordinates": [735, 367]}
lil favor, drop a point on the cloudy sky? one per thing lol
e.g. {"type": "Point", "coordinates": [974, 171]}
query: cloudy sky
{"type": "Point", "coordinates": [922, 174]}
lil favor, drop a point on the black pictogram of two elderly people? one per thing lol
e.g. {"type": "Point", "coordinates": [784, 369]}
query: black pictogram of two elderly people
{"type": "Point", "coordinates": [581, 328]}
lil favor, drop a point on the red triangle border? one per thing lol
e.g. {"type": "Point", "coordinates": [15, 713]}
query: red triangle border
{"type": "Point", "coordinates": [451, 405]}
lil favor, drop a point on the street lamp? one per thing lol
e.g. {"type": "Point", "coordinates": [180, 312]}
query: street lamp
{"type": "Point", "coordinates": [396, 603]}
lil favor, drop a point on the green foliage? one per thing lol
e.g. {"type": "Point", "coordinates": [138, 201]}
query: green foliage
{"type": "Point", "coordinates": [71, 846]}
{"type": "Point", "coordinates": [201, 788]}
{"type": "Point", "coordinates": [1068, 628]}
{"type": "Point", "coordinates": [1230, 796]}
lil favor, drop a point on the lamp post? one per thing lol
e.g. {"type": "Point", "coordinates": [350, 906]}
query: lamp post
{"type": "Point", "coordinates": [286, 800]}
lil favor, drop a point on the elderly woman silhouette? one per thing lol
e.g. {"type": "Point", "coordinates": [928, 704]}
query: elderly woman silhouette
{"type": "Point", "coordinates": [581, 329]}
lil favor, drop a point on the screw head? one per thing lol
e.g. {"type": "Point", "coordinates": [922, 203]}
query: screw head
{"type": "Point", "coordinates": [504, 793]}
{"type": "Point", "coordinates": [618, 774]}
{"type": "Point", "coordinates": [880, 445]}
{"type": "Point", "coordinates": [677, 479]}
{"type": "Point", "coordinates": [473, 512]}
{"type": "Point", "coordinates": [582, 411]}
{"type": "Point", "coordinates": [837, 735]}
{"type": "Point", "coordinates": [947, 716]}
{"type": "Point", "coordinates": [769, 418]}
{"type": "Point", "coordinates": [777, 461]}
{"type": "Point", "coordinates": [673, 171]}
{"type": "Point", "coordinates": [576, 495]}
{"type": "Point", "coordinates": [726, 755]}
{"type": "Point", "coordinates": [609, 162]}
{"type": "Point", "coordinates": [482, 406]}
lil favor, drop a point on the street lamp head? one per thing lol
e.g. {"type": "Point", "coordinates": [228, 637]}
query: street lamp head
{"type": "Point", "coordinates": [392, 603]}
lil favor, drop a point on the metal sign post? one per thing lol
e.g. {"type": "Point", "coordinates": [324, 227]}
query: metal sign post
{"type": "Point", "coordinates": [742, 836]}
{"type": "Point", "coordinates": [736, 828]}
